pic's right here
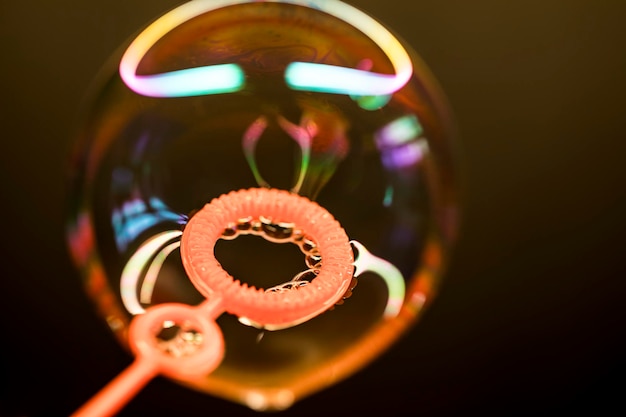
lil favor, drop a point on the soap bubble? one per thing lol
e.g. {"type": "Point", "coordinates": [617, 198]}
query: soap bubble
{"type": "Point", "coordinates": [312, 97]}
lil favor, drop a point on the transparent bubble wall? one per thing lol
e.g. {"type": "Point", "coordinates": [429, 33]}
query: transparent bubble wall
{"type": "Point", "coordinates": [313, 97]}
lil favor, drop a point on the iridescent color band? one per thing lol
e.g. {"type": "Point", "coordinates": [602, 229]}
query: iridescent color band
{"type": "Point", "coordinates": [304, 76]}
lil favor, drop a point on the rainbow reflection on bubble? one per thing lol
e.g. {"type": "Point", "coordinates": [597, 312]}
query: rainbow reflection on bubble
{"type": "Point", "coordinates": [303, 76]}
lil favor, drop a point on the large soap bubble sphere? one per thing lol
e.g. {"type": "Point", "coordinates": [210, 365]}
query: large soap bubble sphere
{"type": "Point", "coordinates": [314, 98]}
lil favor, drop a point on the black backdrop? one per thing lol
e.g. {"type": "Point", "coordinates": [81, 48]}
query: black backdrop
{"type": "Point", "coordinates": [530, 318]}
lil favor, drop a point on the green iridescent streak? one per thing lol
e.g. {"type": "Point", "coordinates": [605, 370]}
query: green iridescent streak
{"type": "Point", "coordinates": [305, 160]}
{"type": "Point", "coordinates": [315, 173]}
{"type": "Point", "coordinates": [255, 169]}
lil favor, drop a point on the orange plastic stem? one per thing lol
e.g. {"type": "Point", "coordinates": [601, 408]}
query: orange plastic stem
{"type": "Point", "coordinates": [152, 360]}
{"type": "Point", "coordinates": [120, 390]}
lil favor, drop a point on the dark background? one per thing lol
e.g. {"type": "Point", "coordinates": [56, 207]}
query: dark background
{"type": "Point", "coordinates": [530, 319]}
